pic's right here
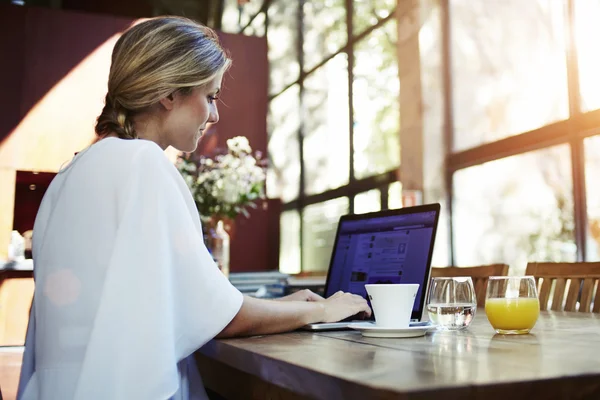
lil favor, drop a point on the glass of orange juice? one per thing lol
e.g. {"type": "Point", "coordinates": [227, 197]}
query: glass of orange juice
{"type": "Point", "coordinates": [511, 304]}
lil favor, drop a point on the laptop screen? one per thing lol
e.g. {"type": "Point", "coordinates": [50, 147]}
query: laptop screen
{"type": "Point", "coordinates": [384, 247]}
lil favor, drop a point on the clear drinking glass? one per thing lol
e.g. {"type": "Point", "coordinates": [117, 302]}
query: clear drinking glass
{"type": "Point", "coordinates": [451, 302]}
{"type": "Point", "coordinates": [511, 304]}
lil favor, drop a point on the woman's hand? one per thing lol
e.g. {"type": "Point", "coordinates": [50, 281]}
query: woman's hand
{"type": "Point", "coordinates": [262, 316]}
{"type": "Point", "coordinates": [338, 306]}
{"type": "Point", "coordinates": [342, 305]}
{"type": "Point", "coordinates": [302, 295]}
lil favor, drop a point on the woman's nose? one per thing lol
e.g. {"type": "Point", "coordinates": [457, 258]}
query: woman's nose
{"type": "Point", "coordinates": [213, 116]}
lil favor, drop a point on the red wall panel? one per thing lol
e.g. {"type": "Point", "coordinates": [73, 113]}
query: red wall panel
{"type": "Point", "coordinates": [44, 45]}
{"type": "Point", "coordinates": [12, 49]}
{"type": "Point", "coordinates": [126, 8]}
{"type": "Point", "coordinates": [55, 43]}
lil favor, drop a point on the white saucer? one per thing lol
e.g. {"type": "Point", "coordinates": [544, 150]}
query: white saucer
{"type": "Point", "coordinates": [369, 329]}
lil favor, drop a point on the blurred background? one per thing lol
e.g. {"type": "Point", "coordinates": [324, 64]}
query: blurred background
{"type": "Point", "coordinates": [488, 107]}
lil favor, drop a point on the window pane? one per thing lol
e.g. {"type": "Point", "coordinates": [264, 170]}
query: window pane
{"type": "Point", "coordinates": [376, 103]}
{"type": "Point", "coordinates": [289, 256]}
{"type": "Point", "coordinates": [515, 210]}
{"type": "Point", "coordinates": [324, 30]}
{"type": "Point", "coordinates": [249, 10]}
{"type": "Point", "coordinates": [395, 195]}
{"type": "Point", "coordinates": [283, 175]}
{"type": "Point", "coordinates": [320, 224]}
{"type": "Point", "coordinates": [592, 177]}
{"type": "Point", "coordinates": [257, 26]}
{"type": "Point", "coordinates": [367, 202]}
{"type": "Point", "coordinates": [236, 16]}
{"type": "Point", "coordinates": [283, 42]}
{"type": "Point", "coordinates": [367, 12]}
{"type": "Point", "coordinates": [231, 15]}
{"type": "Point", "coordinates": [326, 141]}
{"type": "Point", "coordinates": [508, 66]}
{"type": "Point", "coordinates": [587, 31]}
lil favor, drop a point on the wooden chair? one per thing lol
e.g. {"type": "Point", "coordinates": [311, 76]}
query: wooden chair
{"type": "Point", "coordinates": [479, 274]}
{"type": "Point", "coordinates": [580, 280]}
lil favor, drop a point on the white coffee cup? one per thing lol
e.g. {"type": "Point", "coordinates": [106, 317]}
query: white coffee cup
{"type": "Point", "coordinates": [392, 303]}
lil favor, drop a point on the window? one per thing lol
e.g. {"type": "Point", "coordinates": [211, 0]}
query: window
{"type": "Point", "coordinates": [515, 210]}
{"type": "Point", "coordinates": [376, 103]}
{"type": "Point", "coordinates": [282, 37]}
{"type": "Point", "coordinates": [592, 170]}
{"type": "Point", "coordinates": [326, 126]}
{"type": "Point", "coordinates": [367, 202]}
{"type": "Point", "coordinates": [368, 12]}
{"type": "Point", "coordinates": [283, 175]}
{"type": "Point", "coordinates": [289, 254]}
{"type": "Point", "coordinates": [324, 30]}
{"type": "Point", "coordinates": [587, 31]}
{"type": "Point", "coordinates": [318, 159]}
{"type": "Point", "coordinates": [499, 131]}
{"type": "Point", "coordinates": [395, 195]}
{"type": "Point", "coordinates": [320, 225]}
{"type": "Point", "coordinates": [508, 68]}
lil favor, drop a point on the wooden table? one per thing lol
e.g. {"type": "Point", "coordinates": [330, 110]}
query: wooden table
{"type": "Point", "coordinates": [560, 359]}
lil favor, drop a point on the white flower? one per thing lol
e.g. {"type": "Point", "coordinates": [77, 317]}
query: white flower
{"type": "Point", "coordinates": [239, 144]}
{"type": "Point", "coordinates": [189, 180]}
{"type": "Point", "coordinates": [249, 161]}
{"type": "Point", "coordinates": [228, 183]}
{"type": "Point", "coordinates": [230, 194]}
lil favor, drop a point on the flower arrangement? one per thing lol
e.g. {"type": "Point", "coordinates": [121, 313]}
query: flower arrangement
{"type": "Point", "coordinates": [228, 183]}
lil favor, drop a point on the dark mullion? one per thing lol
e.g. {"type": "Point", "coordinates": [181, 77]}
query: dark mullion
{"type": "Point", "coordinates": [301, 129]}
{"type": "Point", "coordinates": [549, 135]}
{"type": "Point", "coordinates": [579, 197]}
{"type": "Point", "coordinates": [266, 9]}
{"type": "Point", "coordinates": [587, 124]}
{"type": "Point", "coordinates": [350, 52]}
{"type": "Point", "coordinates": [448, 123]}
{"type": "Point", "coordinates": [358, 186]}
{"type": "Point", "coordinates": [220, 7]}
{"type": "Point", "coordinates": [578, 127]}
{"type": "Point", "coordinates": [576, 144]}
{"type": "Point", "coordinates": [384, 192]}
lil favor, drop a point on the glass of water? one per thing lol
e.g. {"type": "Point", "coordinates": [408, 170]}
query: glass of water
{"type": "Point", "coordinates": [451, 302]}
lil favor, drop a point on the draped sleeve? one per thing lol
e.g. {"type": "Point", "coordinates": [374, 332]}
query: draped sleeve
{"type": "Point", "coordinates": [163, 296]}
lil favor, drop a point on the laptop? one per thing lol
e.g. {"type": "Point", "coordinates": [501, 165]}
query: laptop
{"type": "Point", "coordinates": [391, 246]}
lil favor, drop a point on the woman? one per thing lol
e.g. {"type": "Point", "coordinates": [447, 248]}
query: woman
{"type": "Point", "coordinates": [125, 288]}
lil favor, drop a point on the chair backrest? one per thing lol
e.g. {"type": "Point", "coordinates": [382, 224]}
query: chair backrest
{"type": "Point", "coordinates": [479, 274]}
{"type": "Point", "coordinates": [579, 280]}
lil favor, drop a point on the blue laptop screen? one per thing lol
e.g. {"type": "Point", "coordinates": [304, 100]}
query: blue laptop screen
{"type": "Point", "coordinates": [388, 249]}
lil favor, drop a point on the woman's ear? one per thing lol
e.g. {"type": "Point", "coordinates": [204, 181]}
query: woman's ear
{"type": "Point", "coordinates": [168, 102]}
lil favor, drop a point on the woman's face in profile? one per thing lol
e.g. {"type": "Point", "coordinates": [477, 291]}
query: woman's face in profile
{"type": "Point", "coordinates": [191, 113]}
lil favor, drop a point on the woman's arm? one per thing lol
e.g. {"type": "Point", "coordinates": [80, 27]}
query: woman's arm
{"type": "Point", "coordinates": [260, 316]}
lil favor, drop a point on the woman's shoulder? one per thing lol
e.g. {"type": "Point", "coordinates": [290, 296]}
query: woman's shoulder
{"type": "Point", "coordinates": [129, 153]}
{"type": "Point", "coordinates": [126, 147]}
{"type": "Point", "coordinates": [118, 160]}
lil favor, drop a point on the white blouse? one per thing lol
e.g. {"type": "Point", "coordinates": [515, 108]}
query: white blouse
{"type": "Point", "coordinates": [125, 289]}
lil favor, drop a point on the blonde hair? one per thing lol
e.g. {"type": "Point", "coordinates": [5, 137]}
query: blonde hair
{"type": "Point", "coordinates": [152, 60]}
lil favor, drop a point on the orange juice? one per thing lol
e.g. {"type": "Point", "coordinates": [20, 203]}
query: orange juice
{"type": "Point", "coordinates": [512, 314]}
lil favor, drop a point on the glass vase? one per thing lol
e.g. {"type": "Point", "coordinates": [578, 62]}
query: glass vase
{"type": "Point", "coordinates": [217, 241]}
